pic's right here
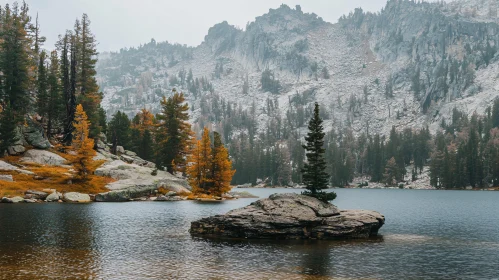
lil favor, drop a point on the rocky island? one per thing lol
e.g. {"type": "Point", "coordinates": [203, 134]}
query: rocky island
{"type": "Point", "coordinates": [291, 216]}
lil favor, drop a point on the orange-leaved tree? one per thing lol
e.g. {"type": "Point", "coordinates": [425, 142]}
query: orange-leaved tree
{"type": "Point", "coordinates": [209, 169]}
{"type": "Point", "coordinates": [82, 147]}
{"type": "Point", "coordinates": [144, 120]}
{"type": "Point", "coordinates": [194, 172]}
{"type": "Point", "coordinates": [221, 169]}
{"type": "Point", "coordinates": [199, 168]}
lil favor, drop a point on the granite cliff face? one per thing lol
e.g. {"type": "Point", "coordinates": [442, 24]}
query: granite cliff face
{"type": "Point", "coordinates": [406, 66]}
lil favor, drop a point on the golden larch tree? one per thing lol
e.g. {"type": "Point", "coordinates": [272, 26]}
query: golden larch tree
{"type": "Point", "coordinates": [193, 168]}
{"type": "Point", "coordinates": [144, 120]}
{"type": "Point", "coordinates": [82, 147]}
{"type": "Point", "coordinates": [221, 169]}
{"type": "Point", "coordinates": [199, 167]}
{"type": "Point", "coordinates": [205, 162]}
{"type": "Point", "coordinates": [209, 169]}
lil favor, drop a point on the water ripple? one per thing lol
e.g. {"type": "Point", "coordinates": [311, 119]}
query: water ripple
{"type": "Point", "coordinates": [428, 235]}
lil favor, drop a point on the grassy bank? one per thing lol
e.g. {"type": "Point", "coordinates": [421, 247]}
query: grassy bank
{"type": "Point", "coordinates": [47, 177]}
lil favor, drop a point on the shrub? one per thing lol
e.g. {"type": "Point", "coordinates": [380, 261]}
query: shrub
{"type": "Point", "coordinates": [322, 196]}
{"type": "Point", "coordinates": [269, 82]}
{"type": "Point", "coordinates": [363, 184]}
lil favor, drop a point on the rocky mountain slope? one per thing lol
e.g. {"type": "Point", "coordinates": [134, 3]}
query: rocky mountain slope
{"type": "Point", "coordinates": [408, 65]}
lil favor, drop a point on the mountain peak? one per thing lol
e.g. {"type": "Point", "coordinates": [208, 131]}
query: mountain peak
{"type": "Point", "coordinates": [287, 18]}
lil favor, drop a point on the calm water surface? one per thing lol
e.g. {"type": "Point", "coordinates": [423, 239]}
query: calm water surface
{"type": "Point", "coordinates": [427, 235]}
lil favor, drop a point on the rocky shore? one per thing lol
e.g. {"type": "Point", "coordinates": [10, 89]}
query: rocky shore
{"type": "Point", "coordinates": [291, 216]}
{"type": "Point", "coordinates": [134, 179]}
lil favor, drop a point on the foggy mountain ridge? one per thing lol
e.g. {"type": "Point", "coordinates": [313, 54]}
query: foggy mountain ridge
{"type": "Point", "coordinates": [407, 66]}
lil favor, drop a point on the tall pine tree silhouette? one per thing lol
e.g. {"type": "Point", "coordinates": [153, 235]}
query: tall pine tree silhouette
{"type": "Point", "coordinates": [315, 177]}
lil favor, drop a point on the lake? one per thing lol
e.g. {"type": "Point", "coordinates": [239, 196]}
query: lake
{"type": "Point", "coordinates": [428, 234]}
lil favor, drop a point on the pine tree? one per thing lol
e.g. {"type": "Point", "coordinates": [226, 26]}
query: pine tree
{"type": "Point", "coordinates": [119, 130]}
{"type": "Point", "coordinates": [42, 87]}
{"type": "Point", "coordinates": [71, 90]}
{"type": "Point", "coordinates": [143, 124]}
{"type": "Point", "coordinates": [15, 61]}
{"type": "Point", "coordinates": [473, 158]}
{"type": "Point", "coordinates": [284, 167]}
{"type": "Point", "coordinates": [69, 99]}
{"type": "Point", "coordinates": [495, 113]}
{"type": "Point", "coordinates": [102, 120]}
{"type": "Point", "coordinates": [55, 113]}
{"type": "Point", "coordinates": [135, 140]}
{"type": "Point", "coordinates": [39, 40]}
{"type": "Point", "coordinates": [82, 146]}
{"type": "Point", "coordinates": [146, 150]}
{"type": "Point", "coordinates": [377, 159]}
{"type": "Point", "coordinates": [16, 71]}
{"type": "Point", "coordinates": [315, 177]}
{"type": "Point", "coordinates": [391, 172]}
{"type": "Point", "coordinates": [174, 132]}
{"type": "Point", "coordinates": [8, 128]}
{"type": "Point", "coordinates": [87, 88]}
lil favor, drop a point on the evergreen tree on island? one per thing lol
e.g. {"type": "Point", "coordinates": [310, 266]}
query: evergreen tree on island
{"type": "Point", "coordinates": [315, 177]}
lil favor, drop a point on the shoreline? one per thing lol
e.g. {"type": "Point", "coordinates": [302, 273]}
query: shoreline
{"type": "Point", "coordinates": [375, 188]}
{"type": "Point", "coordinates": [171, 197]}
{"type": "Point", "coordinates": [32, 196]}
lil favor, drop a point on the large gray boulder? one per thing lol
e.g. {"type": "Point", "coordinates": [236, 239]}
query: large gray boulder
{"type": "Point", "coordinates": [43, 157]}
{"type": "Point", "coordinates": [34, 136]}
{"type": "Point", "coordinates": [7, 167]}
{"type": "Point", "coordinates": [15, 199]}
{"type": "Point", "coordinates": [16, 150]}
{"type": "Point", "coordinates": [105, 155]}
{"type": "Point", "coordinates": [168, 198]}
{"type": "Point", "coordinates": [120, 150]}
{"type": "Point", "coordinates": [134, 159]}
{"type": "Point", "coordinates": [102, 137]}
{"type": "Point", "coordinates": [102, 146]}
{"type": "Point", "coordinates": [53, 197]}
{"type": "Point", "coordinates": [6, 178]}
{"type": "Point", "coordinates": [36, 194]}
{"type": "Point", "coordinates": [4, 166]}
{"type": "Point", "coordinates": [76, 197]}
{"type": "Point", "coordinates": [291, 216]}
{"type": "Point", "coordinates": [17, 147]}
{"type": "Point", "coordinates": [136, 181]}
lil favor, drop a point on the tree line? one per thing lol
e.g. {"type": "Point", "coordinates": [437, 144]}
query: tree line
{"type": "Point", "coordinates": [58, 92]}
{"type": "Point", "coordinates": [168, 140]}
{"type": "Point", "coordinates": [466, 152]}
{"type": "Point", "coordinates": [46, 86]}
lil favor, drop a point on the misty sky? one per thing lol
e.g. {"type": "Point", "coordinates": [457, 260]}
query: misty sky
{"type": "Point", "coordinates": [125, 23]}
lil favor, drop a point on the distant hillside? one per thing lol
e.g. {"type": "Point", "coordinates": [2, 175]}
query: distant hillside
{"type": "Point", "coordinates": [407, 66]}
